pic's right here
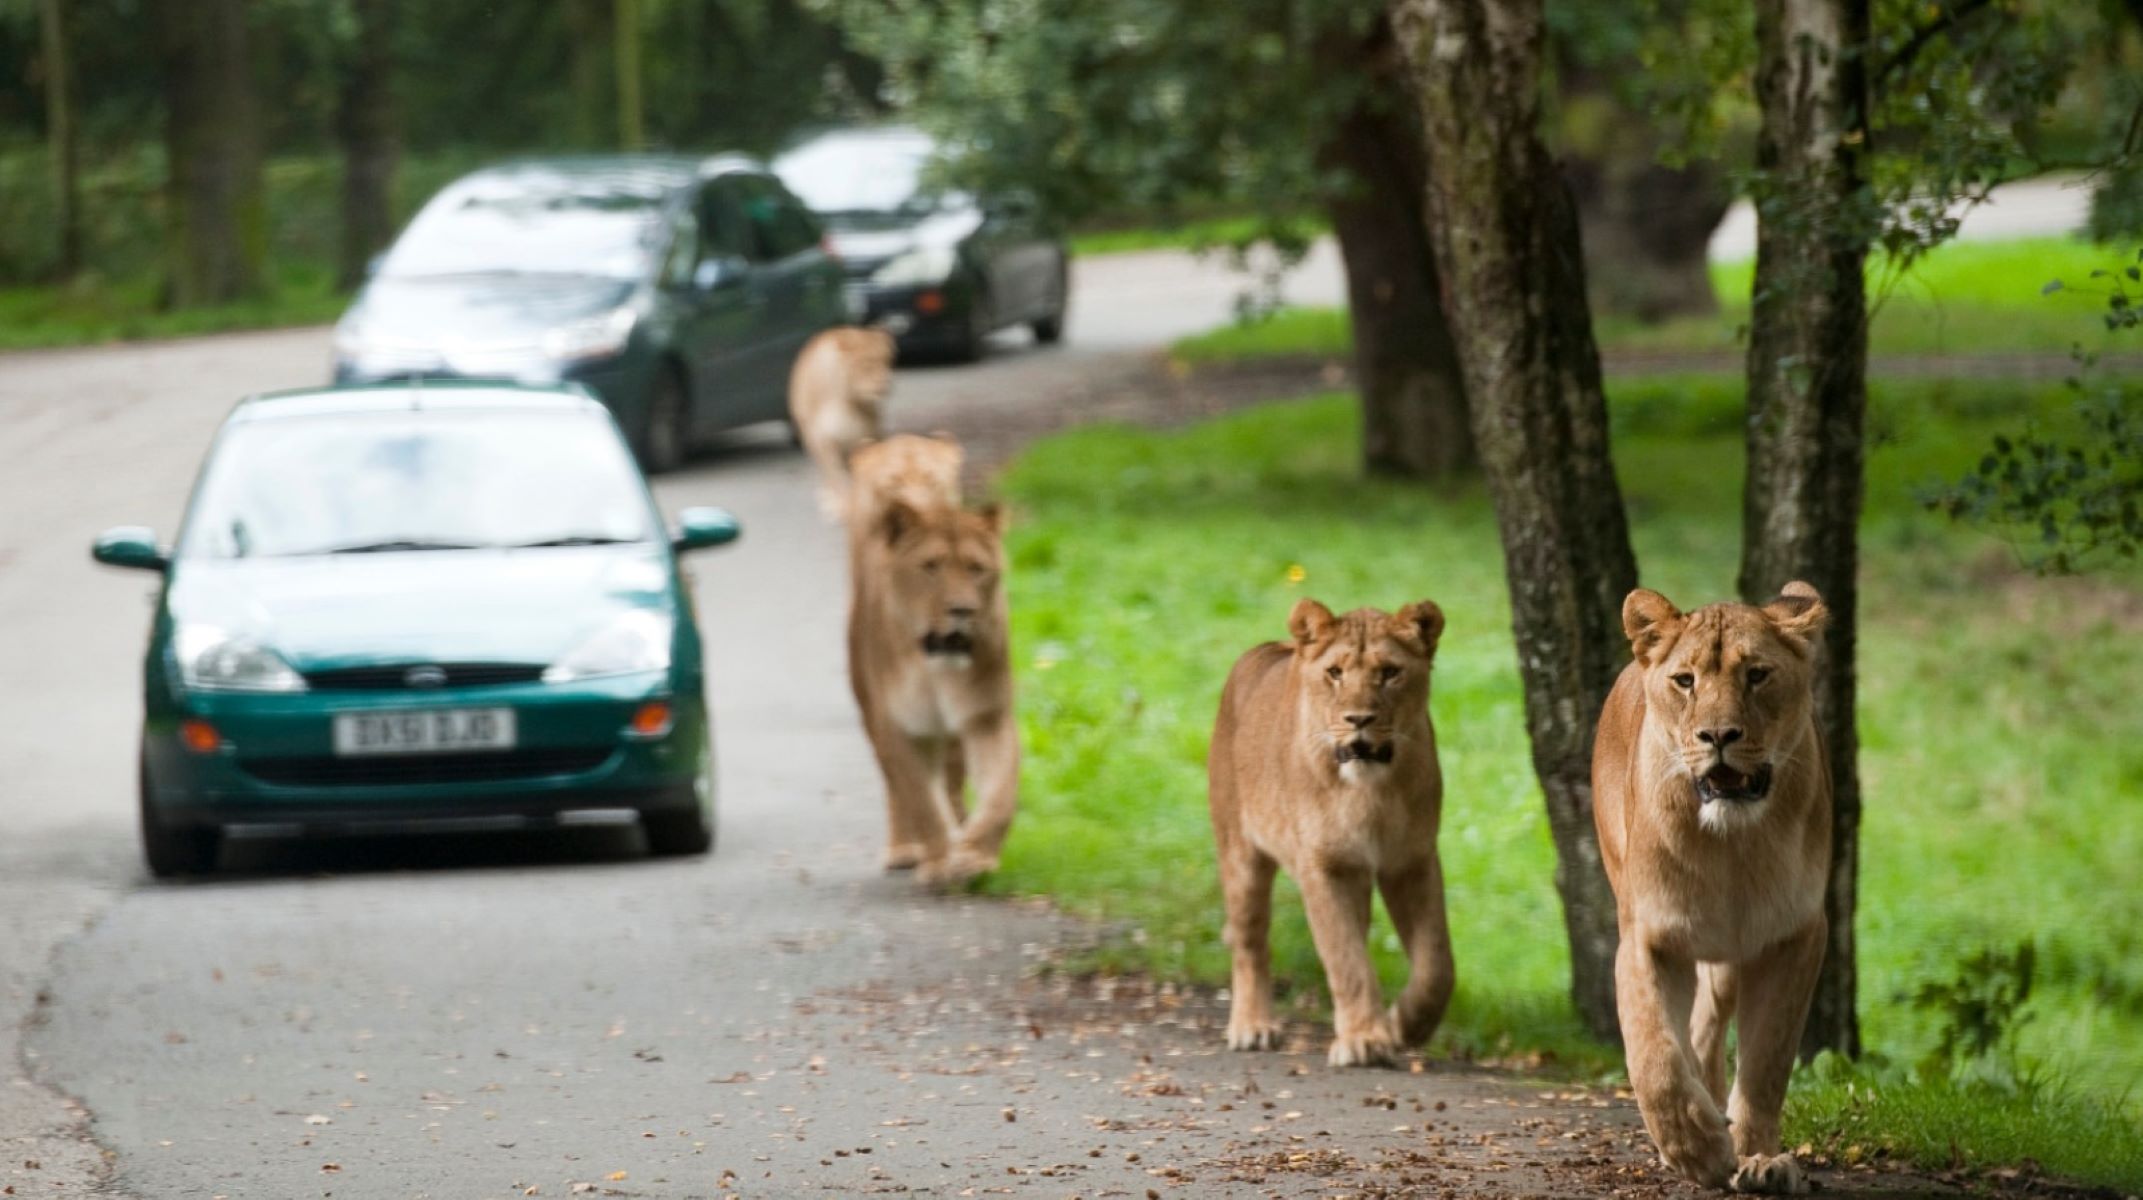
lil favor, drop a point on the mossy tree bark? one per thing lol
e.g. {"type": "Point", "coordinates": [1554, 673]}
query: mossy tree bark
{"type": "Point", "coordinates": [1413, 395]}
{"type": "Point", "coordinates": [57, 63]}
{"type": "Point", "coordinates": [218, 216]}
{"type": "Point", "coordinates": [365, 125]}
{"type": "Point", "coordinates": [1807, 398]}
{"type": "Point", "coordinates": [1506, 235]}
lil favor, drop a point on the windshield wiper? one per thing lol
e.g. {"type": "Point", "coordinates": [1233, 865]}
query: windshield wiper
{"type": "Point", "coordinates": [400, 544]}
{"type": "Point", "coordinates": [574, 539]}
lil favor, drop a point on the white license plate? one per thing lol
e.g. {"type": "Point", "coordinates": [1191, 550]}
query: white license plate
{"type": "Point", "coordinates": [433, 731]}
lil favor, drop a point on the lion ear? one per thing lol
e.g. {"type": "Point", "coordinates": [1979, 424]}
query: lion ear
{"type": "Point", "coordinates": [897, 521]}
{"type": "Point", "coordinates": [1649, 619]}
{"type": "Point", "coordinates": [1308, 621]}
{"type": "Point", "coordinates": [1799, 611]}
{"type": "Point", "coordinates": [1426, 620]}
{"type": "Point", "coordinates": [993, 514]}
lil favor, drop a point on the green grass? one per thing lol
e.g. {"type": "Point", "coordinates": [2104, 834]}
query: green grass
{"type": "Point", "coordinates": [90, 311]}
{"type": "Point", "coordinates": [1200, 234]}
{"type": "Point", "coordinates": [2002, 748]}
{"type": "Point", "coordinates": [1964, 298]}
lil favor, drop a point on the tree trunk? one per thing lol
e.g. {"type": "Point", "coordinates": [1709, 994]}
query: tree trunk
{"type": "Point", "coordinates": [1646, 226]}
{"type": "Point", "coordinates": [1507, 240]}
{"type": "Point", "coordinates": [60, 135]}
{"type": "Point", "coordinates": [1807, 381]}
{"type": "Point", "coordinates": [632, 125]}
{"type": "Point", "coordinates": [1413, 397]}
{"type": "Point", "coordinates": [364, 122]}
{"type": "Point", "coordinates": [218, 218]}
{"type": "Point", "coordinates": [589, 27]}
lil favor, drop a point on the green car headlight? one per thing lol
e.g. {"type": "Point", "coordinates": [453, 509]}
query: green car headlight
{"type": "Point", "coordinates": [920, 267]}
{"type": "Point", "coordinates": [211, 660]}
{"type": "Point", "coordinates": [637, 641]}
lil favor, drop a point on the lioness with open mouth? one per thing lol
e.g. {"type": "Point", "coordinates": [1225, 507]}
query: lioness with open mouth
{"type": "Point", "coordinates": [1323, 761]}
{"type": "Point", "coordinates": [929, 660]}
{"type": "Point", "coordinates": [1712, 798]}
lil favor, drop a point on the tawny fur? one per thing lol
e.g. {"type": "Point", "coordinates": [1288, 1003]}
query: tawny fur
{"type": "Point", "coordinates": [1281, 797]}
{"type": "Point", "coordinates": [837, 392]}
{"type": "Point", "coordinates": [922, 472]}
{"type": "Point", "coordinates": [920, 574]}
{"type": "Point", "coordinates": [1719, 901]}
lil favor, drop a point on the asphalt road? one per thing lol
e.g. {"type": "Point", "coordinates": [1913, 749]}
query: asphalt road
{"type": "Point", "coordinates": [556, 1014]}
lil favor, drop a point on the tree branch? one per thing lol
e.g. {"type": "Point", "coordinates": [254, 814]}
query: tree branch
{"type": "Point", "coordinates": [1921, 37]}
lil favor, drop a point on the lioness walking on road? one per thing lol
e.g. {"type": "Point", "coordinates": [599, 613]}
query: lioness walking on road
{"type": "Point", "coordinates": [928, 658]}
{"type": "Point", "coordinates": [1711, 794]}
{"type": "Point", "coordinates": [837, 392]}
{"type": "Point", "coordinates": [1323, 761]}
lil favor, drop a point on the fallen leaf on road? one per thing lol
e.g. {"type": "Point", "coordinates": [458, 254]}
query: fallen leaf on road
{"type": "Point", "coordinates": [330, 1168]}
{"type": "Point", "coordinates": [616, 1176]}
{"type": "Point", "coordinates": [317, 1119]}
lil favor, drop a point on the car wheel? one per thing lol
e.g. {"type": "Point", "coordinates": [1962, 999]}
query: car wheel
{"type": "Point", "coordinates": [174, 850]}
{"type": "Point", "coordinates": [667, 434]}
{"type": "Point", "coordinates": [974, 338]}
{"type": "Point", "coordinates": [1049, 330]}
{"type": "Point", "coordinates": [677, 834]}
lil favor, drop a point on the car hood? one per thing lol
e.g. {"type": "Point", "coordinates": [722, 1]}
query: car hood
{"type": "Point", "coordinates": [868, 248]}
{"type": "Point", "coordinates": [503, 606]}
{"type": "Point", "coordinates": [452, 313]}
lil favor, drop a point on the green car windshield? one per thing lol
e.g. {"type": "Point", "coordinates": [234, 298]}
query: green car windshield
{"type": "Point", "coordinates": [355, 483]}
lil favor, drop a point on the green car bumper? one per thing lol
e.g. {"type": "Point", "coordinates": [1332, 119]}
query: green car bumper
{"type": "Point", "coordinates": [576, 747]}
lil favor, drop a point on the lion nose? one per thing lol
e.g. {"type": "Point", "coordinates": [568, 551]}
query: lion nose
{"type": "Point", "coordinates": [960, 611]}
{"type": "Point", "coordinates": [1722, 737]}
{"type": "Point", "coordinates": [1360, 720]}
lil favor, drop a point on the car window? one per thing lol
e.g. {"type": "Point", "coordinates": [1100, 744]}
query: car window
{"type": "Point", "coordinates": [684, 248]}
{"type": "Point", "coordinates": [404, 479]}
{"type": "Point", "coordinates": [781, 225]}
{"type": "Point", "coordinates": [556, 226]}
{"type": "Point", "coordinates": [725, 231]}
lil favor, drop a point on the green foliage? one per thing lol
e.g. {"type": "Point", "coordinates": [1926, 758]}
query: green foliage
{"type": "Point", "coordinates": [2067, 501]}
{"type": "Point", "coordinates": [1981, 1012]}
{"type": "Point", "coordinates": [2000, 743]}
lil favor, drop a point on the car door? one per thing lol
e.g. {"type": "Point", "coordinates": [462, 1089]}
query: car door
{"type": "Point", "coordinates": [1025, 262]}
{"type": "Point", "coordinates": [732, 342]}
{"type": "Point", "coordinates": [802, 286]}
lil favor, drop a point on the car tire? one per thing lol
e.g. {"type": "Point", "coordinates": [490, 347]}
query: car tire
{"type": "Point", "coordinates": [1049, 330]}
{"type": "Point", "coordinates": [172, 851]}
{"type": "Point", "coordinates": [666, 435]}
{"type": "Point", "coordinates": [973, 341]}
{"type": "Point", "coordinates": [678, 834]}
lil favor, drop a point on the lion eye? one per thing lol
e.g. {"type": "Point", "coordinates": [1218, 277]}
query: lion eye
{"type": "Point", "coordinates": [1387, 673]}
{"type": "Point", "coordinates": [1757, 675]}
{"type": "Point", "coordinates": [932, 564]}
{"type": "Point", "coordinates": [1685, 681]}
{"type": "Point", "coordinates": [1333, 673]}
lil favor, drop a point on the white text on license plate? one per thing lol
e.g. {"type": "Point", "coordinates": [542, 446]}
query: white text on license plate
{"type": "Point", "coordinates": [433, 731]}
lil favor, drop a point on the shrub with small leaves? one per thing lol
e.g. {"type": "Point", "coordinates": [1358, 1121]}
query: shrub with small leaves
{"type": "Point", "coordinates": [2067, 500]}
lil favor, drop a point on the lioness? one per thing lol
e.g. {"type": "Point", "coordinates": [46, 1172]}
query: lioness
{"type": "Point", "coordinates": [1711, 793]}
{"type": "Point", "coordinates": [837, 393]}
{"type": "Point", "coordinates": [1323, 761]}
{"type": "Point", "coordinates": [923, 471]}
{"type": "Point", "coordinates": [929, 661]}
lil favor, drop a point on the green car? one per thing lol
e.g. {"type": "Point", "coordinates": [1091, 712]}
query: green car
{"type": "Point", "coordinates": [419, 603]}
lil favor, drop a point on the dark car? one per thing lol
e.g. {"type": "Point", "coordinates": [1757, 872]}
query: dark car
{"type": "Point", "coordinates": [939, 268]}
{"type": "Point", "coordinates": [678, 289]}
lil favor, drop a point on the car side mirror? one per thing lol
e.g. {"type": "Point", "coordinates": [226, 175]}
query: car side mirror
{"type": "Point", "coordinates": [130, 546]}
{"type": "Point", "coordinates": [704, 529]}
{"type": "Point", "coordinates": [714, 274]}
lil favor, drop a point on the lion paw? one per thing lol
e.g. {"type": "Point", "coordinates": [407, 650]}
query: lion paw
{"type": "Point", "coordinates": [904, 857]}
{"type": "Point", "coordinates": [1771, 1174]}
{"type": "Point", "coordinates": [1377, 1048]}
{"type": "Point", "coordinates": [1254, 1035]}
{"type": "Point", "coordinates": [1696, 1146]}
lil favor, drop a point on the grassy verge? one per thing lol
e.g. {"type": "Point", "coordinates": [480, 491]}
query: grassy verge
{"type": "Point", "coordinates": [1965, 298]}
{"type": "Point", "coordinates": [1999, 739]}
{"type": "Point", "coordinates": [90, 311]}
{"type": "Point", "coordinates": [1201, 234]}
